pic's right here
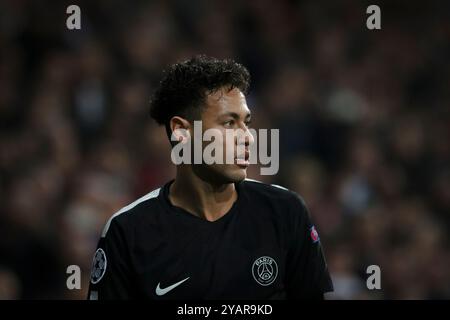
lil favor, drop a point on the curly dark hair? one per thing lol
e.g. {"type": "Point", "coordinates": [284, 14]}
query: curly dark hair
{"type": "Point", "coordinates": [185, 85]}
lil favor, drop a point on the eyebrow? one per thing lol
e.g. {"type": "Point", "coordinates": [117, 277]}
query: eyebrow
{"type": "Point", "coordinates": [235, 115]}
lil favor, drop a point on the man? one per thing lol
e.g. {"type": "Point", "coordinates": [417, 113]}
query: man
{"type": "Point", "coordinates": [210, 233]}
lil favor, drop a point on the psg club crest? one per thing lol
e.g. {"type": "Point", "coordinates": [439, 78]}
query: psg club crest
{"type": "Point", "coordinates": [98, 266]}
{"type": "Point", "coordinates": [314, 234]}
{"type": "Point", "coordinates": [265, 270]}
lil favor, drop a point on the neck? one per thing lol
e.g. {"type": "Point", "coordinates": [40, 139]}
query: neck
{"type": "Point", "coordinates": [199, 197]}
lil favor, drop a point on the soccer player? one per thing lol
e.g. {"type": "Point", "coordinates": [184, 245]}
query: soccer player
{"type": "Point", "coordinates": [210, 233]}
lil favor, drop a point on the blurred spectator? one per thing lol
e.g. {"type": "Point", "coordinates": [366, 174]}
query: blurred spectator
{"type": "Point", "coordinates": [9, 285]}
{"type": "Point", "coordinates": [363, 118]}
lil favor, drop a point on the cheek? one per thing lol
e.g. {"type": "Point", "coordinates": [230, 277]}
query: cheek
{"type": "Point", "coordinates": [228, 140]}
{"type": "Point", "coordinates": [222, 139]}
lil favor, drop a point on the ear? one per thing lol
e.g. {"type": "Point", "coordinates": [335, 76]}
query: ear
{"type": "Point", "coordinates": [180, 129]}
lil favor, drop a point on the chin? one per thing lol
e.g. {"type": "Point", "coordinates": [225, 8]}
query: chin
{"type": "Point", "coordinates": [224, 174]}
{"type": "Point", "coordinates": [236, 175]}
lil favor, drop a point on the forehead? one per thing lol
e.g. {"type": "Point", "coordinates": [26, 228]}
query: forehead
{"type": "Point", "coordinates": [224, 100]}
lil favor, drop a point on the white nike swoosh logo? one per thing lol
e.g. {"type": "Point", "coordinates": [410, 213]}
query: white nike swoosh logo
{"type": "Point", "coordinates": [162, 291]}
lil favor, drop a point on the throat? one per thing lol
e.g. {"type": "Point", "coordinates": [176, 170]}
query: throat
{"type": "Point", "coordinates": [206, 202]}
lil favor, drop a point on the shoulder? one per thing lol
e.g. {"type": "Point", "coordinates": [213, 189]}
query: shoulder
{"type": "Point", "coordinates": [284, 207]}
{"type": "Point", "coordinates": [273, 193]}
{"type": "Point", "coordinates": [132, 211]}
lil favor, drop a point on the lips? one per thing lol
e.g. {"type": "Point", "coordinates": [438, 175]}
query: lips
{"type": "Point", "coordinates": [243, 159]}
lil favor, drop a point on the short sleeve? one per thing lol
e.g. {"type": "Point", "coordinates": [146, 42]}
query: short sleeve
{"type": "Point", "coordinates": [111, 276]}
{"type": "Point", "coordinates": [307, 275]}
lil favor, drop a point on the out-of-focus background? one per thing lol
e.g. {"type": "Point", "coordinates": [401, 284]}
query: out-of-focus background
{"type": "Point", "coordinates": [363, 118]}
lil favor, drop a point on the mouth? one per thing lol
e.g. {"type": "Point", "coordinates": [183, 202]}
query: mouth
{"type": "Point", "coordinates": [242, 160]}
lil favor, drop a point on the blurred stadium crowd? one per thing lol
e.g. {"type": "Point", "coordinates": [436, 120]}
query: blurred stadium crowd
{"type": "Point", "coordinates": [363, 118]}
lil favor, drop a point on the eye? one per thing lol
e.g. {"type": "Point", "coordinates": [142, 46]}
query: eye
{"type": "Point", "coordinates": [248, 122]}
{"type": "Point", "coordinates": [229, 123]}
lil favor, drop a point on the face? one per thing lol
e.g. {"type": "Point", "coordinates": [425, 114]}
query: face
{"type": "Point", "coordinates": [227, 110]}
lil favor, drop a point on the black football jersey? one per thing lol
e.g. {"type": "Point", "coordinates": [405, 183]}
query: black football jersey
{"type": "Point", "coordinates": [264, 247]}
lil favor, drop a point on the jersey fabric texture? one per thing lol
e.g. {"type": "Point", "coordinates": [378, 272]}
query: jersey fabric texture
{"type": "Point", "coordinates": [264, 247]}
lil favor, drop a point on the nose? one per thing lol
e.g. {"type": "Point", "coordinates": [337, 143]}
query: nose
{"type": "Point", "coordinates": [245, 136]}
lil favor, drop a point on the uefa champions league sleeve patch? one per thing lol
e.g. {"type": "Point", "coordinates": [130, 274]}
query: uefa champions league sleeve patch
{"type": "Point", "coordinates": [98, 266]}
{"type": "Point", "coordinates": [314, 234]}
